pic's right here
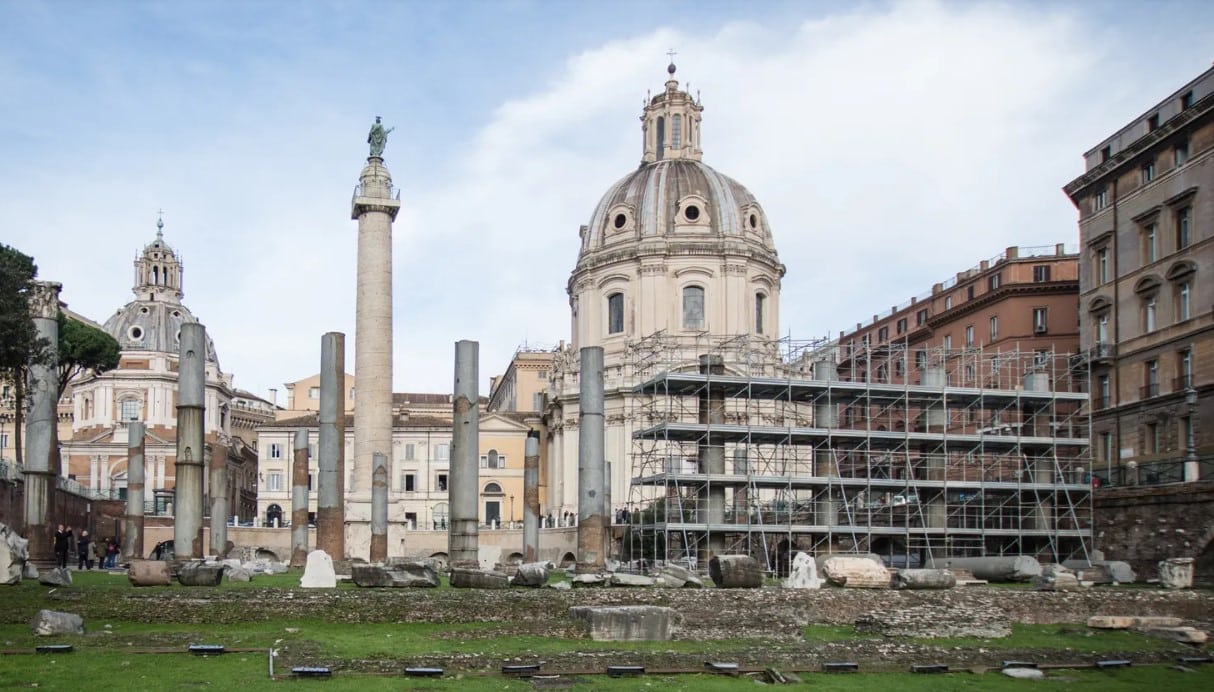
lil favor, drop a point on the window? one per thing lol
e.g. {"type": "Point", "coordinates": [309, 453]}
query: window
{"type": "Point", "coordinates": [1148, 172]}
{"type": "Point", "coordinates": [1040, 320]}
{"type": "Point", "coordinates": [1184, 369]}
{"type": "Point", "coordinates": [3, 440]}
{"type": "Point", "coordinates": [1151, 378]}
{"type": "Point", "coordinates": [275, 450]}
{"type": "Point", "coordinates": [676, 131]}
{"type": "Point", "coordinates": [1152, 438]}
{"type": "Point", "coordinates": [883, 334]}
{"type": "Point", "coordinates": [492, 488]}
{"type": "Point", "coordinates": [1153, 123]}
{"type": "Point", "coordinates": [312, 450]}
{"type": "Point", "coordinates": [442, 452]}
{"type": "Point", "coordinates": [992, 282]}
{"type": "Point", "coordinates": [1180, 153]}
{"type": "Point", "coordinates": [1183, 293]}
{"type": "Point", "coordinates": [129, 410]}
{"type": "Point", "coordinates": [921, 317]}
{"type": "Point", "coordinates": [1106, 154]}
{"type": "Point", "coordinates": [661, 137]}
{"type": "Point", "coordinates": [1106, 447]}
{"type": "Point", "coordinates": [541, 374]}
{"type": "Point", "coordinates": [901, 326]}
{"type": "Point", "coordinates": [493, 460]}
{"type": "Point", "coordinates": [760, 304]}
{"type": "Point", "coordinates": [1148, 315]}
{"type": "Point", "coordinates": [921, 359]}
{"type": "Point", "coordinates": [1102, 329]}
{"type": "Point", "coordinates": [948, 302]}
{"type": "Point", "coordinates": [274, 481]}
{"type": "Point", "coordinates": [1100, 200]}
{"type": "Point", "coordinates": [352, 392]}
{"type": "Point", "coordinates": [313, 392]}
{"type": "Point", "coordinates": [1041, 357]}
{"type": "Point", "coordinates": [994, 328]}
{"type": "Point", "coordinates": [1184, 231]}
{"type": "Point", "coordinates": [1103, 391]}
{"type": "Point", "coordinates": [1102, 265]}
{"type": "Point", "coordinates": [969, 335]}
{"type": "Point", "coordinates": [408, 482]}
{"type": "Point", "coordinates": [948, 342]}
{"type": "Point", "coordinates": [615, 313]}
{"type": "Point", "coordinates": [439, 513]}
{"type": "Point", "coordinates": [1186, 100]}
{"type": "Point", "coordinates": [693, 308]}
{"type": "Point", "coordinates": [410, 451]}
{"type": "Point", "coordinates": [969, 292]}
{"type": "Point", "coordinates": [440, 482]}
{"type": "Point", "coordinates": [1150, 250]}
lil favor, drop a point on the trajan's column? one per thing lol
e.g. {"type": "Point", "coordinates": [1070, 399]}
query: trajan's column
{"type": "Point", "coordinates": [374, 206]}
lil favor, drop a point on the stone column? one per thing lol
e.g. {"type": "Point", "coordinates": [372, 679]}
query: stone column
{"type": "Point", "coordinates": [531, 498]}
{"type": "Point", "coordinates": [826, 415]}
{"type": "Point", "coordinates": [374, 207]}
{"type": "Point", "coordinates": [710, 499]}
{"type": "Point", "coordinates": [191, 409]}
{"type": "Point", "coordinates": [463, 537]}
{"type": "Point", "coordinates": [592, 473]}
{"type": "Point", "coordinates": [42, 389]}
{"type": "Point", "coordinates": [220, 507]}
{"type": "Point", "coordinates": [331, 447]}
{"type": "Point", "coordinates": [379, 508]}
{"type": "Point", "coordinates": [299, 499]}
{"type": "Point", "coordinates": [132, 537]}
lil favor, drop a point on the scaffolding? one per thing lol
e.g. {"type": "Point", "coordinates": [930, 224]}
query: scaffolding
{"type": "Point", "coordinates": [743, 445]}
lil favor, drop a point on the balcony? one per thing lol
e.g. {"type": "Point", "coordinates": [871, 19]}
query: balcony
{"type": "Point", "coordinates": [1102, 353]}
{"type": "Point", "coordinates": [1149, 391]}
{"type": "Point", "coordinates": [1182, 383]}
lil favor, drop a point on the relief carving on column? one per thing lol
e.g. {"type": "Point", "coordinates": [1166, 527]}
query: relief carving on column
{"type": "Point", "coordinates": [44, 299]}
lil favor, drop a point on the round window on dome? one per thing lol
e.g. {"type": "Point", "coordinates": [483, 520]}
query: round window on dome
{"type": "Point", "coordinates": [176, 313]}
{"type": "Point", "coordinates": [692, 212]}
{"type": "Point", "coordinates": [620, 221]}
{"type": "Point", "coordinates": [143, 311]}
{"type": "Point", "coordinates": [136, 333]}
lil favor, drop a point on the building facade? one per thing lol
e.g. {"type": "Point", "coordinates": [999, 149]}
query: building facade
{"type": "Point", "coordinates": [1146, 224]}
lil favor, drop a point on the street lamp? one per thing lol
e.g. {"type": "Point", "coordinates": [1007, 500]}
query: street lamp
{"type": "Point", "coordinates": [1191, 471]}
{"type": "Point", "coordinates": [511, 511]}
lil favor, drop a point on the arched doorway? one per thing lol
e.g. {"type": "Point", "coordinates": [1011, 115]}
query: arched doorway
{"type": "Point", "coordinates": [274, 515]}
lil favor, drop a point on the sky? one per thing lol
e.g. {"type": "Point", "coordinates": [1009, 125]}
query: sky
{"type": "Point", "coordinates": [891, 145]}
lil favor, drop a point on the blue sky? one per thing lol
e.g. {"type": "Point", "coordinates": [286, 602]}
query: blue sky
{"type": "Point", "coordinates": [891, 144]}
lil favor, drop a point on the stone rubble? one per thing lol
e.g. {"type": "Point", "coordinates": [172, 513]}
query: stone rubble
{"type": "Point", "coordinates": [14, 552]}
{"type": "Point", "coordinates": [804, 573]}
{"type": "Point", "coordinates": [856, 572]}
{"type": "Point", "coordinates": [319, 572]}
{"type": "Point", "coordinates": [149, 573]}
{"type": "Point", "coordinates": [735, 572]}
{"type": "Point", "coordinates": [60, 576]}
{"type": "Point", "coordinates": [1176, 573]}
{"type": "Point", "coordinates": [937, 620]}
{"type": "Point", "coordinates": [51, 622]}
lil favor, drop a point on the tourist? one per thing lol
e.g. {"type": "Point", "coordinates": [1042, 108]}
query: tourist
{"type": "Point", "coordinates": [63, 543]}
{"type": "Point", "coordinates": [82, 550]}
{"type": "Point", "coordinates": [111, 553]}
{"type": "Point", "coordinates": [94, 557]}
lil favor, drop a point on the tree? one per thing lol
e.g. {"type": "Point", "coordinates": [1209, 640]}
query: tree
{"type": "Point", "coordinates": [19, 342]}
{"type": "Point", "coordinates": [83, 348]}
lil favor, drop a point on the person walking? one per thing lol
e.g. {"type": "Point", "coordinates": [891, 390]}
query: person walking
{"type": "Point", "coordinates": [111, 553]}
{"type": "Point", "coordinates": [82, 550]}
{"type": "Point", "coordinates": [94, 558]}
{"type": "Point", "coordinates": [63, 543]}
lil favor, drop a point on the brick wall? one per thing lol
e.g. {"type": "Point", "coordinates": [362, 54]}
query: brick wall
{"type": "Point", "coordinates": [1145, 525]}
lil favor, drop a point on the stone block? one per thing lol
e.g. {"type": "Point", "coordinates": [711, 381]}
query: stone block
{"type": "Point", "coordinates": [1024, 673]}
{"type": "Point", "coordinates": [996, 568]}
{"type": "Point", "coordinates": [1176, 573]}
{"type": "Point", "coordinates": [1058, 581]}
{"type": "Point", "coordinates": [318, 571]}
{"type": "Point", "coordinates": [1103, 571]}
{"type": "Point", "coordinates": [676, 575]}
{"type": "Point", "coordinates": [579, 580]}
{"type": "Point", "coordinates": [923, 579]}
{"type": "Point", "coordinates": [238, 574]}
{"type": "Point", "coordinates": [626, 623]}
{"type": "Point", "coordinates": [735, 572]}
{"type": "Point", "coordinates": [532, 574]}
{"type": "Point", "coordinates": [856, 572]}
{"type": "Point", "coordinates": [29, 571]}
{"type": "Point", "coordinates": [559, 586]}
{"type": "Point", "coordinates": [804, 573]}
{"type": "Point", "coordinates": [409, 575]}
{"type": "Point", "coordinates": [625, 579]}
{"type": "Point", "coordinates": [14, 551]}
{"type": "Point", "coordinates": [149, 573]}
{"type": "Point", "coordinates": [1125, 622]}
{"type": "Point", "coordinates": [1184, 635]}
{"type": "Point", "coordinates": [200, 574]}
{"type": "Point", "coordinates": [60, 576]}
{"type": "Point", "coordinates": [462, 578]}
{"type": "Point", "coordinates": [51, 622]}
{"type": "Point", "coordinates": [370, 576]}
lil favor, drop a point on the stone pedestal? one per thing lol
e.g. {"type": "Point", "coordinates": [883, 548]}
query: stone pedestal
{"type": "Point", "coordinates": [1176, 573]}
{"type": "Point", "coordinates": [626, 623]}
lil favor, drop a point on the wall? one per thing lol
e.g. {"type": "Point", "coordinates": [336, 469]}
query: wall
{"type": "Point", "coordinates": [1144, 525]}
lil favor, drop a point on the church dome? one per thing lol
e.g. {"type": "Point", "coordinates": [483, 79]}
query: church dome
{"type": "Point", "coordinates": [152, 322]}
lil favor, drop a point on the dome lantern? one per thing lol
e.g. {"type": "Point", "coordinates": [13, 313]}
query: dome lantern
{"type": "Point", "coordinates": [671, 124]}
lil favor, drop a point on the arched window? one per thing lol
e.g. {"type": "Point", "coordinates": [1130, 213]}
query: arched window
{"type": "Point", "coordinates": [439, 515]}
{"type": "Point", "coordinates": [155, 275]}
{"type": "Point", "coordinates": [492, 488]}
{"type": "Point", "coordinates": [676, 131]}
{"type": "Point", "coordinates": [760, 308]}
{"type": "Point", "coordinates": [661, 135]}
{"type": "Point", "coordinates": [615, 313]}
{"type": "Point", "coordinates": [129, 410]}
{"type": "Point", "coordinates": [693, 308]}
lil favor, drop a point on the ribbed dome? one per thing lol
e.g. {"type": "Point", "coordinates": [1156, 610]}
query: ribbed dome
{"type": "Point", "coordinates": [153, 326]}
{"type": "Point", "coordinates": [682, 198]}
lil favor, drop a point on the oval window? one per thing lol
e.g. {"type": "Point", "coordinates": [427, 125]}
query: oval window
{"type": "Point", "coordinates": [135, 333]}
{"type": "Point", "coordinates": [754, 221]}
{"type": "Point", "coordinates": [692, 212]}
{"type": "Point", "coordinates": [620, 221]}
